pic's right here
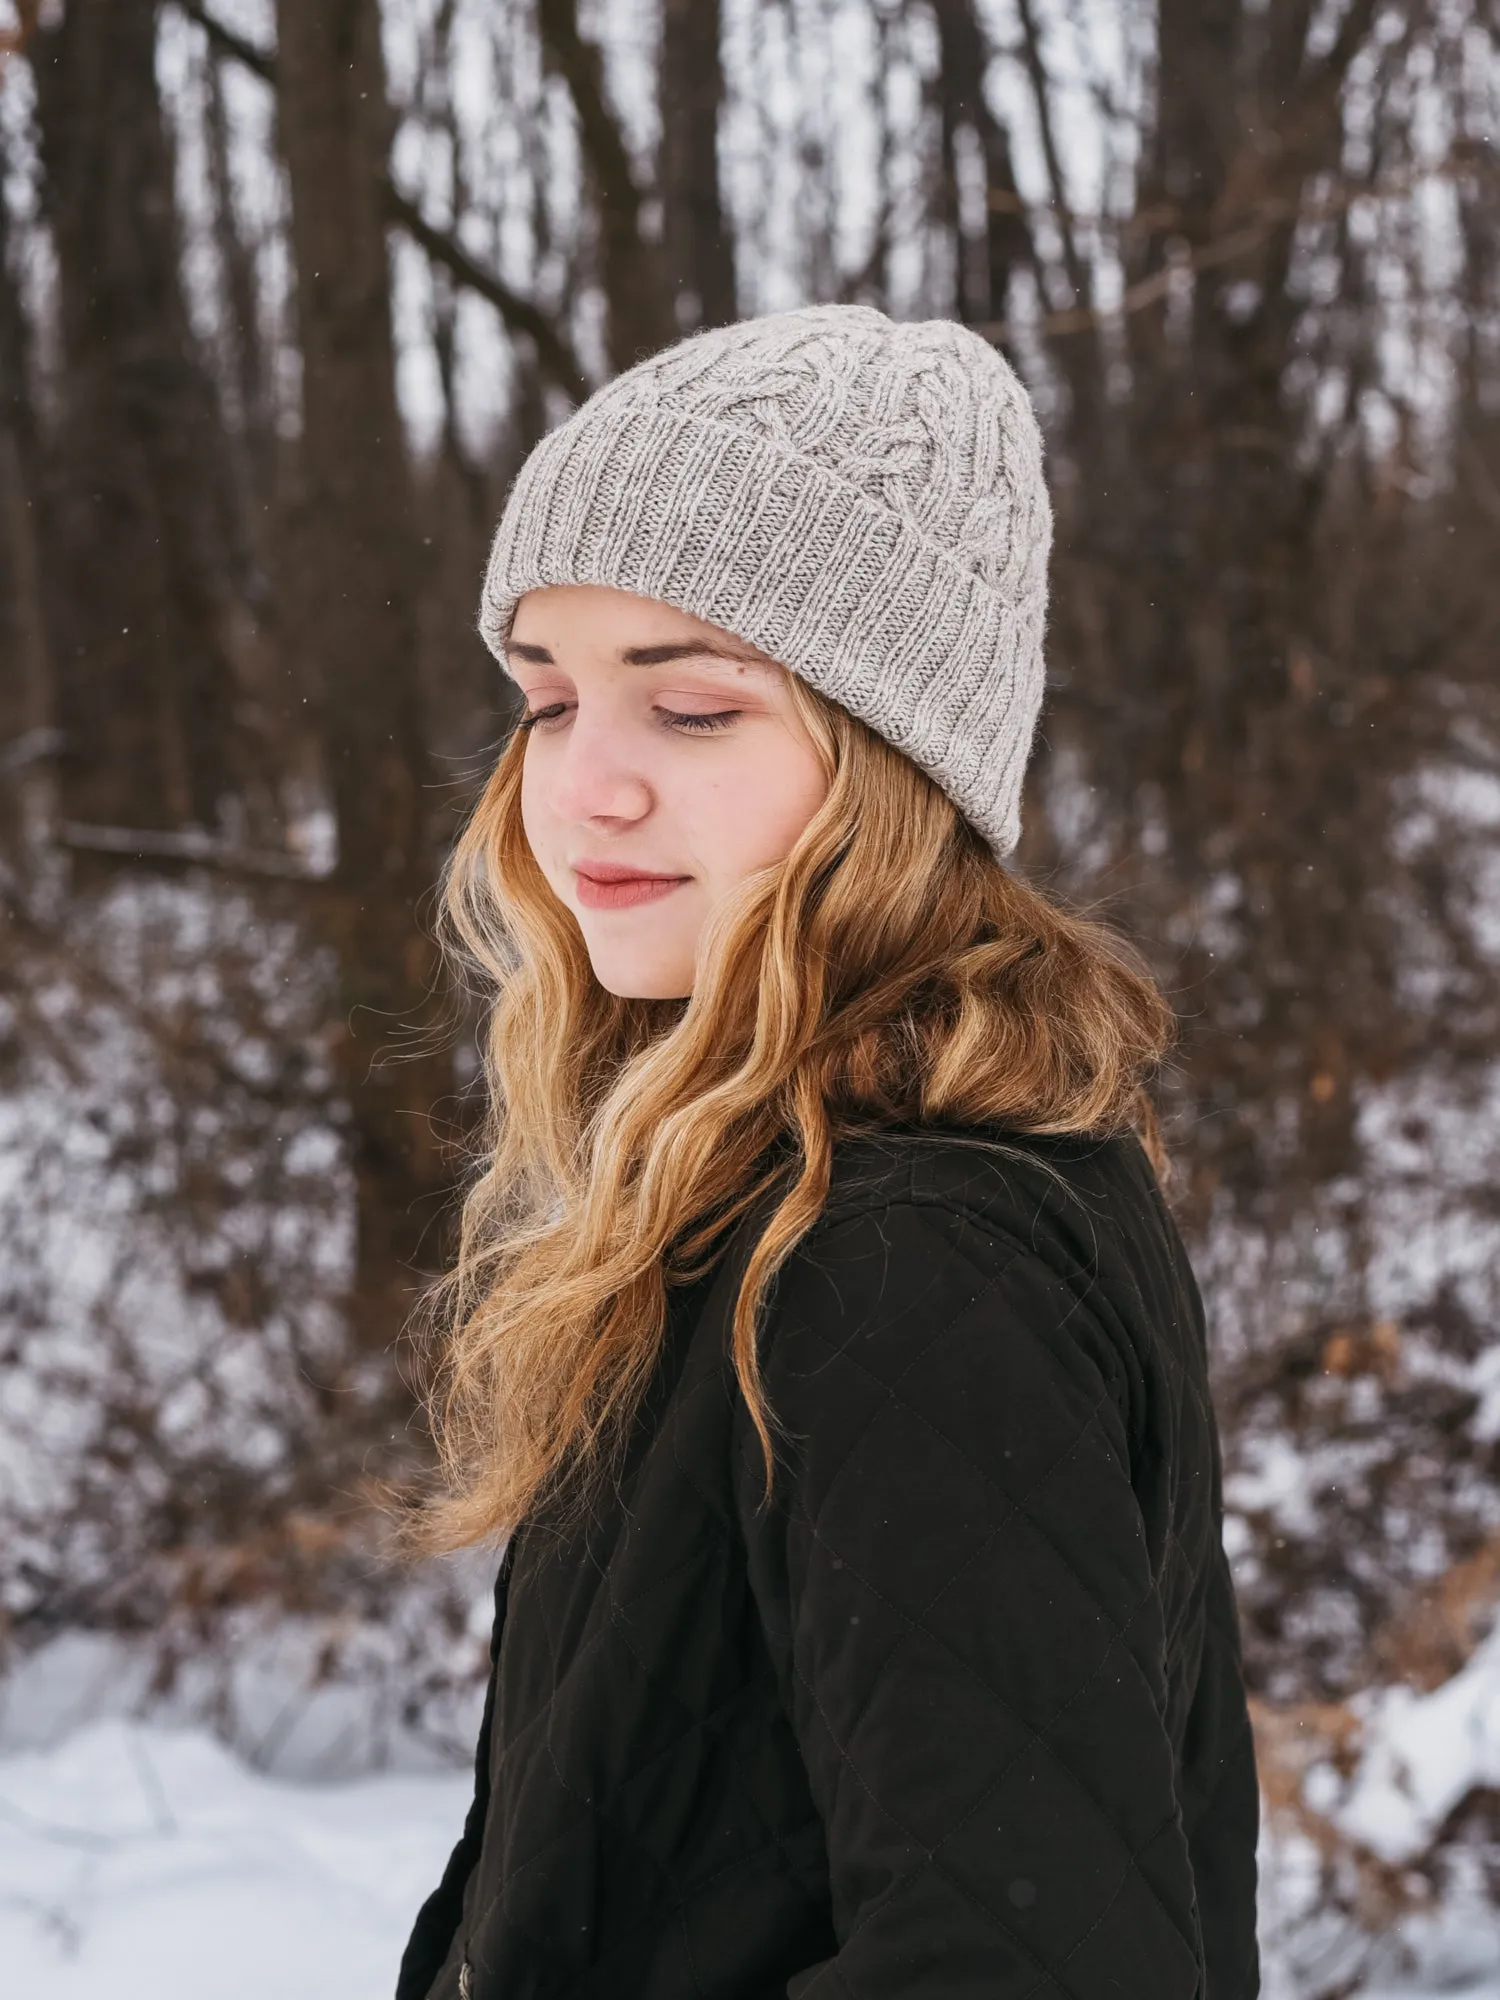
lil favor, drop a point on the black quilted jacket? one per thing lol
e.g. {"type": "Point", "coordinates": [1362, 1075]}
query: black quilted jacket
{"type": "Point", "coordinates": [960, 1714]}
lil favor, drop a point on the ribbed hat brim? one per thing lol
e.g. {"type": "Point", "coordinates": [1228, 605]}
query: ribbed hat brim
{"type": "Point", "coordinates": [733, 528]}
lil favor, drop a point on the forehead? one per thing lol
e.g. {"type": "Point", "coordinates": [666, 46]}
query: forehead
{"type": "Point", "coordinates": [596, 620]}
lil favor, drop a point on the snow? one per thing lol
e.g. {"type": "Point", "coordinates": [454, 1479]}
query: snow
{"type": "Point", "coordinates": [155, 1865]}
{"type": "Point", "coordinates": [151, 1864]}
{"type": "Point", "coordinates": [1424, 1753]}
{"type": "Point", "coordinates": [1420, 1755]}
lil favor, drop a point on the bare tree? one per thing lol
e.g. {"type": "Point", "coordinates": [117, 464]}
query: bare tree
{"type": "Point", "coordinates": [145, 691]}
{"type": "Point", "coordinates": [28, 735]}
{"type": "Point", "coordinates": [630, 265]}
{"type": "Point", "coordinates": [983, 266]}
{"type": "Point", "coordinates": [695, 233]}
{"type": "Point", "coordinates": [351, 596]}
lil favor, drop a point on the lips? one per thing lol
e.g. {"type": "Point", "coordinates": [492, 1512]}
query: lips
{"type": "Point", "coordinates": [613, 885]}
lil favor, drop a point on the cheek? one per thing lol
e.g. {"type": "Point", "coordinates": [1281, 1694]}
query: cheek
{"type": "Point", "coordinates": [535, 819]}
{"type": "Point", "coordinates": [760, 807]}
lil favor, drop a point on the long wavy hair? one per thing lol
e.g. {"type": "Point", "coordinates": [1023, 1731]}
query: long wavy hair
{"type": "Point", "coordinates": [890, 971]}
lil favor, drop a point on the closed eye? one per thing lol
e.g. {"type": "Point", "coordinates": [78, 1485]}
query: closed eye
{"type": "Point", "coordinates": [550, 713]}
{"type": "Point", "coordinates": [719, 718]}
{"type": "Point", "coordinates": [672, 718]}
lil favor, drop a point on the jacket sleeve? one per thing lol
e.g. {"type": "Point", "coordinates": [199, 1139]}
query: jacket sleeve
{"type": "Point", "coordinates": [437, 1921]}
{"type": "Point", "coordinates": [955, 1579]}
{"type": "Point", "coordinates": [1221, 1801]}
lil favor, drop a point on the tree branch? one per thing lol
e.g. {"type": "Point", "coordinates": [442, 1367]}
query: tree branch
{"type": "Point", "coordinates": [32, 746]}
{"type": "Point", "coordinates": [1268, 214]}
{"type": "Point", "coordinates": [1036, 70]}
{"type": "Point", "coordinates": [1146, 291]}
{"type": "Point", "coordinates": [633, 284]}
{"type": "Point", "coordinates": [1353, 31]}
{"type": "Point", "coordinates": [185, 1043]}
{"type": "Point", "coordinates": [260, 62]}
{"type": "Point", "coordinates": [188, 844]}
{"type": "Point", "coordinates": [554, 351]}
{"type": "Point", "coordinates": [1315, 105]}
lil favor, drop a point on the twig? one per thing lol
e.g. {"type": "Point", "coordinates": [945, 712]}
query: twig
{"type": "Point", "coordinates": [62, 1836]}
{"type": "Point", "coordinates": [1036, 70]}
{"type": "Point", "coordinates": [32, 746]}
{"type": "Point", "coordinates": [1237, 242]}
{"type": "Point", "coordinates": [1145, 292]}
{"type": "Point", "coordinates": [554, 351]}
{"type": "Point", "coordinates": [186, 844]}
{"type": "Point", "coordinates": [151, 1785]}
{"type": "Point", "coordinates": [259, 61]}
{"type": "Point", "coordinates": [104, 988]}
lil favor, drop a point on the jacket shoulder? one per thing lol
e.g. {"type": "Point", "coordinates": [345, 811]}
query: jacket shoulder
{"type": "Point", "coordinates": [1060, 1198]}
{"type": "Point", "coordinates": [1087, 1209]}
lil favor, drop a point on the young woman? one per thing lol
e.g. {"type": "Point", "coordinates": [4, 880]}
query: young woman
{"type": "Point", "coordinates": [820, 1348]}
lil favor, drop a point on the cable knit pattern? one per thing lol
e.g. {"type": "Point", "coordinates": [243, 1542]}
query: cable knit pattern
{"type": "Point", "coordinates": [862, 499]}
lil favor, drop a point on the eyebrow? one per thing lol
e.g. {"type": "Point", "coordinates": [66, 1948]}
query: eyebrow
{"type": "Point", "coordinates": [648, 656]}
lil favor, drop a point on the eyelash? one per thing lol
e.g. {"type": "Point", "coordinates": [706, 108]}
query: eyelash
{"type": "Point", "coordinates": [691, 725]}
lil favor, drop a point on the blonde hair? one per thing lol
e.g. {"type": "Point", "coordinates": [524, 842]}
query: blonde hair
{"type": "Point", "coordinates": [889, 971]}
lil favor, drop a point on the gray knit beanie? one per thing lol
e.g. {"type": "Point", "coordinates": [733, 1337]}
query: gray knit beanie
{"type": "Point", "coordinates": [860, 498]}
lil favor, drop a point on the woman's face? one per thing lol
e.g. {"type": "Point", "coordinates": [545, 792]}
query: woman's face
{"type": "Point", "coordinates": [665, 763]}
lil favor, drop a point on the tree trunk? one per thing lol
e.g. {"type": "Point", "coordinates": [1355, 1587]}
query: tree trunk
{"type": "Point", "coordinates": [983, 269]}
{"type": "Point", "coordinates": [139, 556]}
{"type": "Point", "coordinates": [699, 253]}
{"type": "Point", "coordinates": [26, 711]}
{"type": "Point", "coordinates": [350, 593]}
{"type": "Point", "coordinates": [630, 266]}
{"type": "Point", "coordinates": [1195, 545]}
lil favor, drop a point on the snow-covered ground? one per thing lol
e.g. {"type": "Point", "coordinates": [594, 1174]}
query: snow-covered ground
{"type": "Point", "coordinates": [150, 1864]}
{"type": "Point", "coordinates": [1419, 1757]}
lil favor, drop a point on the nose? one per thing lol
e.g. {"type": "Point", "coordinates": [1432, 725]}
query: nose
{"type": "Point", "coordinates": [593, 780]}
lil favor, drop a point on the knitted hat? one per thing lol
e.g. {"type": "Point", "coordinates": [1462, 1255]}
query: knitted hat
{"type": "Point", "coordinates": [860, 498]}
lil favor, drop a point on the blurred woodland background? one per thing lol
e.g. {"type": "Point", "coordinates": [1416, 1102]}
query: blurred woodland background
{"type": "Point", "coordinates": [286, 291]}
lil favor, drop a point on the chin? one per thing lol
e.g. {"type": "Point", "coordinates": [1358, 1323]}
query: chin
{"type": "Point", "coordinates": [633, 980]}
{"type": "Point", "coordinates": [625, 988]}
{"type": "Point", "coordinates": [636, 956]}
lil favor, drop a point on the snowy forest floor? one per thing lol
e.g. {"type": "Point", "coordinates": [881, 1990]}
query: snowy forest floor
{"type": "Point", "coordinates": [149, 1861]}
{"type": "Point", "coordinates": [150, 1858]}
